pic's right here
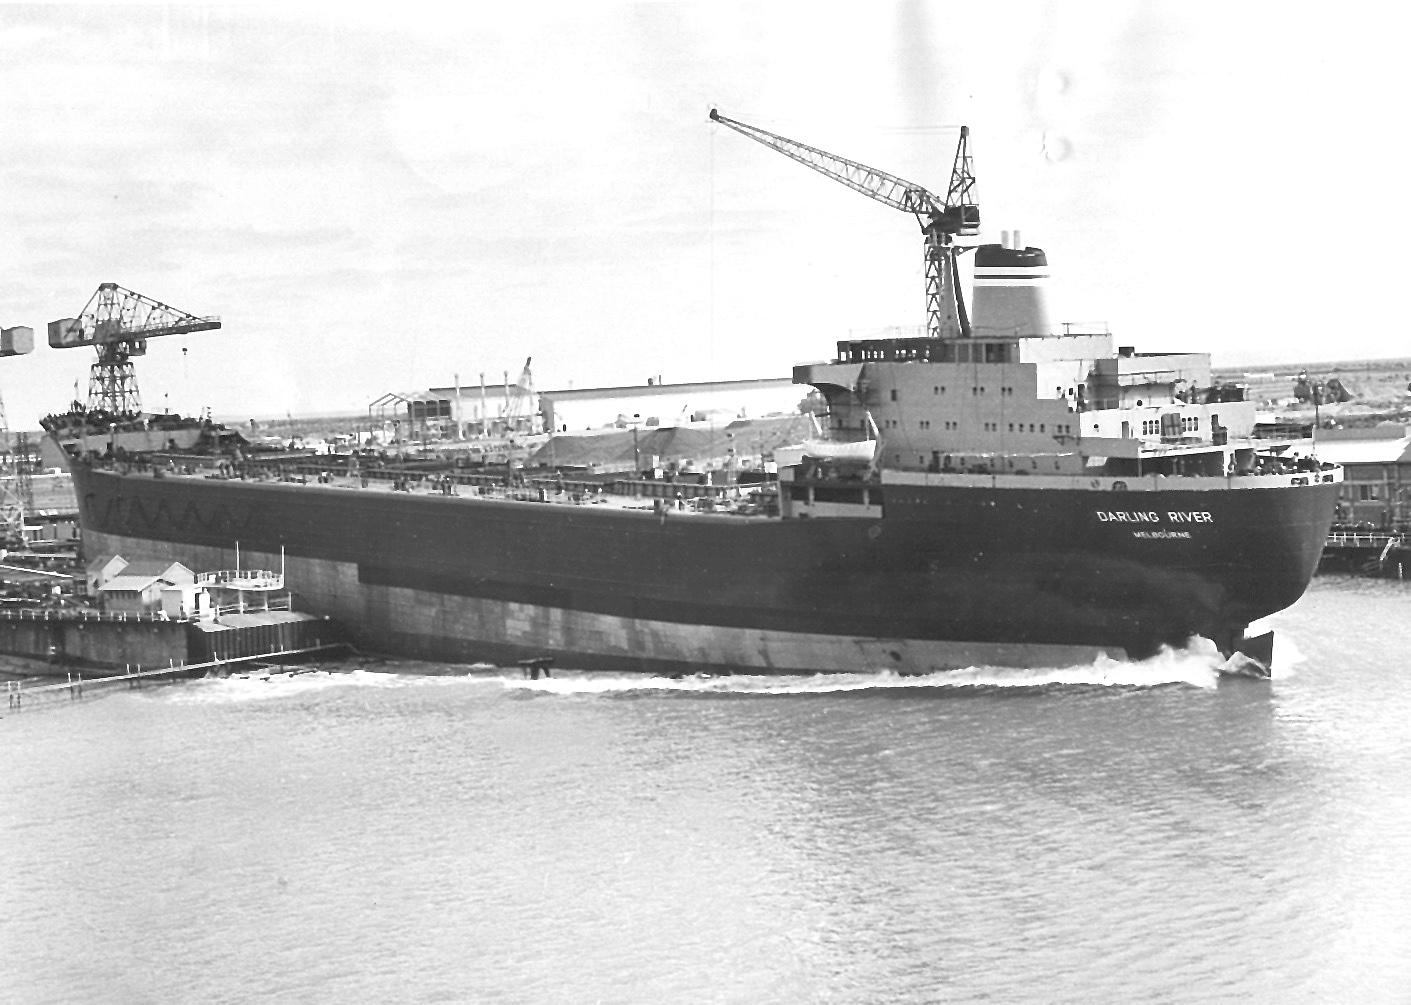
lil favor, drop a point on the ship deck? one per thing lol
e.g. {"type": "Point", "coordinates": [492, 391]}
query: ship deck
{"type": "Point", "coordinates": [751, 501]}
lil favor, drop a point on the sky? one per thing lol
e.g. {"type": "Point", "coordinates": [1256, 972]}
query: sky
{"type": "Point", "coordinates": [391, 198]}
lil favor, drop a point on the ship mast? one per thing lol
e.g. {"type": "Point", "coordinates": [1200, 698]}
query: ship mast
{"type": "Point", "coordinates": [941, 220]}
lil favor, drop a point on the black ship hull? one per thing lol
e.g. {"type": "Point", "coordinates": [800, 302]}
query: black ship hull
{"type": "Point", "coordinates": [953, 575]}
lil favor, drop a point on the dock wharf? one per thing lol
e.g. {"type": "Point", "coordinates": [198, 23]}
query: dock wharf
{"type": "Point", "coordinates": [69, 639]}
{"type": "Point", "coordinates": [1373, 553]}
{"type": "Point", "coordinates": [18, 692]}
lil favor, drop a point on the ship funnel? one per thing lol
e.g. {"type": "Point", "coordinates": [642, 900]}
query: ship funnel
{"type": "Point", "coordinates": [1010, 290]}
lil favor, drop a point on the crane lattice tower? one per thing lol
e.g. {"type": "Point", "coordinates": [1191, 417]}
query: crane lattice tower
{"type": "Point", "coordinates": [14, 475]}
{"type": "Point", "coordinates": [118, 322]}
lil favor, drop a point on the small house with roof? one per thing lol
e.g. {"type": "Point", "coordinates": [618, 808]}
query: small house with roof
{"type": "Point", "coordinates": [99, 571]}
{"type": "Point", "coordinates": [135, 587]}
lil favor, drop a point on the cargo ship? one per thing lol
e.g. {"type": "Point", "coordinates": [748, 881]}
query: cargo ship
{"type": "Point", "coordinates": [996, 491]}
{"type": "Point", "coordinates": [1013, 497]}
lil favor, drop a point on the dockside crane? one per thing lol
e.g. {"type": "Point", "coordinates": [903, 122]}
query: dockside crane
{"type": "Point", "coordinates": [521, 406]}
{"type": "Point", "coordinates": [118, 322]}
{"type": "Point", "coordinates": [941, 220]}
{"type": "Point", "coordinates": [14, 475]}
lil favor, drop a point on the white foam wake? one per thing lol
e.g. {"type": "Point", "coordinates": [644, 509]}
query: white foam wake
{"type": "Point", "coordinates": [261, 685]}
{"type": "Point", "coordinates": [1195, 665]}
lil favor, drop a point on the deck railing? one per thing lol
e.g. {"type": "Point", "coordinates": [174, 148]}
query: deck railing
{"type": "Point", "coordinates": [1370, 540]}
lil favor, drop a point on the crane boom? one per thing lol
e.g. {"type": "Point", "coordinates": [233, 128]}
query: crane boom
{"type": "Point", "coordinates": [875, 183]}
{"type": "Point", "coordinates": [114, 314]}
{"type": "Point", "coordinates": [941, 220]}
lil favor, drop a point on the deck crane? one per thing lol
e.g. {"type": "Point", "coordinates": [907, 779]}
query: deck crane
{"type": "Point", "coordinates": [118, 322]}
{"type": "Point", "coordinates": [519, 407]}
{"type": "Point", "coordinates": [941, 220]}
{"type": "Point", "coordinates": [14, 475]}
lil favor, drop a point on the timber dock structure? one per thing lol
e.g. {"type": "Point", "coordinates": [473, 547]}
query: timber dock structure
{"type": "Point", "coordinates": [1370, 553]}
{"type": "Point", "coordinates": [67, 640]}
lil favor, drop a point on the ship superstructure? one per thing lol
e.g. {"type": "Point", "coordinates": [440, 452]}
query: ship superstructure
{"type": "Point", "coordinates": [1019, 397]}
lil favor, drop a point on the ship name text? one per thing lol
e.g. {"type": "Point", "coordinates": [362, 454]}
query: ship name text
{"type": "Point", "coordinates": [1154, 516]}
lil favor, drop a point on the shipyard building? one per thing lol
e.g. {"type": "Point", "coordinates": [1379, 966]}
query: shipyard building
{"type": "Point", "coordinates": [462, 411]}
{"type": "Point", "coordinates": [1377, 489]}
{"type": "Point", "coordinates": [659, 404]}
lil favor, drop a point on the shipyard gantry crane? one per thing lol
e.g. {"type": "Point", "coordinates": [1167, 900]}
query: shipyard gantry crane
{"type": "Point", "coordinates": [941, 220]}
{"type": "Point", "coordinates": [118, 322]}
{"type": "Point", "coordinates": [14, 473]}
{"type": "Point", "coordinates": [522, 404]}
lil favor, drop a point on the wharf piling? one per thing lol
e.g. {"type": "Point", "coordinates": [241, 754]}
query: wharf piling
{"type": "Point", "coordinates": [18, 692]}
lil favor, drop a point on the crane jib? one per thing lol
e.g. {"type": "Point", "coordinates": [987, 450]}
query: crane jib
{"type": "Point", "coordinates": [941, 221]}
{"type": "Point", "coordinates": [880, 185]}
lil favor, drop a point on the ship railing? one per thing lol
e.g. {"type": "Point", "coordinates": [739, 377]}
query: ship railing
{"type": "Point", "coordinates": [62, 615]}
{"type": "Point", "coordinates": [515, 486]}
{"type": "Point", "coordinates": [241, 579]}
{"type": "Point", "coordinates": [1370, 540]}
{"type": "Point", "coordinates": [81, 615]}
{"type": "Point", "coordinates": [284, 603]}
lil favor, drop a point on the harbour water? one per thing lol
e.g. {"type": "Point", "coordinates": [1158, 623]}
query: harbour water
{"type": "Point", "coordinates": [1105, 833]}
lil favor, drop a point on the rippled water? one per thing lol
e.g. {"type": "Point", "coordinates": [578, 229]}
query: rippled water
{"type": "Point", "coordinates": [1115, 832]}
